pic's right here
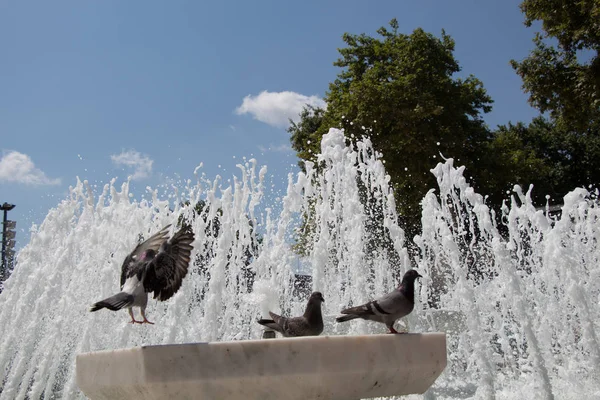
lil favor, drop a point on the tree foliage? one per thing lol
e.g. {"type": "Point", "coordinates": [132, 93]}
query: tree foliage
{"type": "Point", "coordinates": [562, 77]}
{"type": "Point", "coordinates": [401, 89]}
{"type": "Point", "coordinates": [552, 158]}
{"type": "Point", "coordinates": [562, 73]}
{"type": "Point", "coordinates": [304, 135]}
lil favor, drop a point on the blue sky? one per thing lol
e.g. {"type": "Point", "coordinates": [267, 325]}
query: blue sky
{"type": "Point", "coordinates": [103, 89]}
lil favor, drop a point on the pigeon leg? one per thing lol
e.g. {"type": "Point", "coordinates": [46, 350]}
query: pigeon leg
{"type": "Point", "coordinates": [392, 330]}
{"type": "Point", "coordinates": [145, 321]}
{"type": "Point", "coordinates": [133, 320]}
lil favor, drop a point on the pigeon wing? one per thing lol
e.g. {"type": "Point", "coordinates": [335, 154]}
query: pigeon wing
{"type": "Point", "coordinates": [290, 327]}
{"type": "Point", "coordinates": [362, 310]}
{"type": "Point", "coordinates": [396, 304]}
{"type": "Point", "coordinates": [131, 265]}
{"type": "Point", "coordinates": [382, 306]}
{"type": "Point", "coordinates": [165, 273]}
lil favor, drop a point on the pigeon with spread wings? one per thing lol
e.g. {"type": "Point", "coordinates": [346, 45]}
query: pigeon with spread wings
{"type": "Point", "coordinates": [157, 265]}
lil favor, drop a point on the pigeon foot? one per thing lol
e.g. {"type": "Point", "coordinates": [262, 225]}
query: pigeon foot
{"type": "Point", "coordinates": [395, 332]}
{"type": "Point", "coordinates": [145, 321]}
{"type": "Point", "coordinates": [133, 320]}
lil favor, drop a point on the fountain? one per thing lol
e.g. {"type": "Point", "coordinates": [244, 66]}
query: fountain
{"type": "Point", "coordinates": [520, 305]}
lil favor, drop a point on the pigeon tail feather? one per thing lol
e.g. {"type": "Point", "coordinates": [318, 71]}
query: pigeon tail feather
{"type": "Point", "coordinates": [114, 303]}
{"type": "Point", "coordinates": [269, 323]}
{"type": "Point", "coordinates": [348, 317]}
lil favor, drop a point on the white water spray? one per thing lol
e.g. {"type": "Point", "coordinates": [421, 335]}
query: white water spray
{"type": "Point", "coordinates": [521, 307]}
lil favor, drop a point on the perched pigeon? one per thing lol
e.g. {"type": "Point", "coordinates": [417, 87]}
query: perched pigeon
{"type": "Point", "coordinates": [156, 265]}
{"type": "Point", "coordinates": [388, 308]}
{"type": "Point", "coordinates": [309, 324]}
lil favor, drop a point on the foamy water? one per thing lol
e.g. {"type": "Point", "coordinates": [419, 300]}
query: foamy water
{"type": "Point", "coordinates": [520, 302]}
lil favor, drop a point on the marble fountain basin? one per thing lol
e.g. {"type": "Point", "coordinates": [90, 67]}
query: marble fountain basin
{"type": "Point", "coordinates": [323, 367]}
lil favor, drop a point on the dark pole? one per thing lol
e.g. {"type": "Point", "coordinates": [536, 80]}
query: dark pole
{"type": "Point", "coordinates": [6, 208]}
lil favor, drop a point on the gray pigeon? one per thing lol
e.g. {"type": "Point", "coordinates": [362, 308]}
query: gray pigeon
{"type": "Point", "coordinates": [309, 324]}
{"type": "Point", "coordinates": [156, 265]}
{"type": "Point", "coordinates": [388, 308]}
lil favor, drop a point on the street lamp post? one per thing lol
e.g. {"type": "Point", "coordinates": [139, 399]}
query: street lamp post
{"type": "Point", "coordinates": [6, 208]}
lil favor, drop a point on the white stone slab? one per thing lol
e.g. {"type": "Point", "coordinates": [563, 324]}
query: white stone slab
{"type": "Point", "coordinates": [325, 367]}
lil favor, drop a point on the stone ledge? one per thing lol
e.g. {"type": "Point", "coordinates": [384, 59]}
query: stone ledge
{"type": "Point", "coordinates": [323, 367]}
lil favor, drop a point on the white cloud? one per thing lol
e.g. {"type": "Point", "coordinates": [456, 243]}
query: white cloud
{"type": "Point", "coordinates": [141, 164]}
{"type": "Point", "coordinates": [276, 108]}
{"type": "Point", "coordinates": [18, 167]}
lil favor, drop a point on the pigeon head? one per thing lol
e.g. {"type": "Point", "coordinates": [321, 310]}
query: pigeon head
{"type": "Point", "coordinates": [313, 308]}
{"type": "Point", "coordinates": [410, 276]}
{"type": "Point", "coordinates": [408, 284]}
{"type": "Point", "coordinates": [317, 296]}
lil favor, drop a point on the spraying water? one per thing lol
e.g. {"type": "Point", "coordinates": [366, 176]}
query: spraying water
{"type": "Point", "coordinates": [520, 304]}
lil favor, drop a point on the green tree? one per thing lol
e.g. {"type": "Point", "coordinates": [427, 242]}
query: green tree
{"type": "Point", "coordinates": [304, 135]}
{"type": "Point", "coordinates": [401, 90]}
{"type": "Point", "coordinates": [562, 73]}
{"type": "Point", "coordinates": [562, 77]}
{"type": "Point", "coordinates": [524, 155]}
{"type": "Point", "coordinates": [544, 153]}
